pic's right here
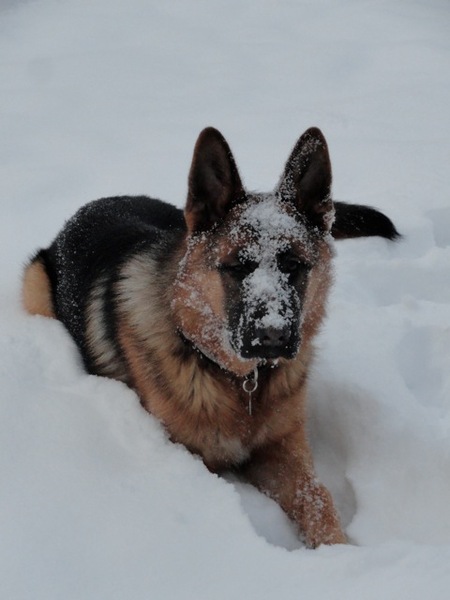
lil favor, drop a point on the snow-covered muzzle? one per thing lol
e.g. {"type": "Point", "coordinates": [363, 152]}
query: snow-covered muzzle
{"type": "Point", "coordinates": [265, 278]}
{"type": "Point", "coordinates": [264, 318]}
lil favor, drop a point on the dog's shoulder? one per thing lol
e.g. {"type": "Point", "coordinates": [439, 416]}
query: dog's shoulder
{"type": "Point", "coordinates": [114, 213]}
{"type": "Point", "coordinates": [109, 229]}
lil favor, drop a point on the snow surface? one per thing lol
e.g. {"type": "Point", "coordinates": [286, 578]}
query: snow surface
{"type": "Point", "coordinates": [103, 97]}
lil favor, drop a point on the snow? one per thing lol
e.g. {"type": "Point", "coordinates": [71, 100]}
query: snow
{"type": "Point", "coordinates": [106, 97]}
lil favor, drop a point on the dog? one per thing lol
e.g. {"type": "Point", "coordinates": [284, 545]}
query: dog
{"type": "Point", "coordinates": [210, 313]}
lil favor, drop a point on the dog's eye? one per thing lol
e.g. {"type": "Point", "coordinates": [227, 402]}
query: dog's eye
{"type": "Point", "coordinates": [238, 269]}
{"type": "Point", "coordinates": [292, 264]}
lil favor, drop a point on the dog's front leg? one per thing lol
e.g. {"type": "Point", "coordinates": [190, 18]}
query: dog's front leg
{"type": "Point", "coordinates": [284, 471]}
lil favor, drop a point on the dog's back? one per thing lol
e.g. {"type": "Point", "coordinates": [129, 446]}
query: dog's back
{"type": "Point", "coordinates": [59, 281]}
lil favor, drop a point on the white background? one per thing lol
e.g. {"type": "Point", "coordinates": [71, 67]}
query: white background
{"type": "Point", "coordinates": [106, 97]}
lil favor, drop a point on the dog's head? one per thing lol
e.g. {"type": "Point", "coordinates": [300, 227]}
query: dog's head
{"type": "Point", "coordinates": [252, 283]}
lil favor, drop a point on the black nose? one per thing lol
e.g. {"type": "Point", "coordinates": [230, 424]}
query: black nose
{"type": "Point", "coordinates": [271, 342]}
{"type": "Point", "coordinates": [271, 337]}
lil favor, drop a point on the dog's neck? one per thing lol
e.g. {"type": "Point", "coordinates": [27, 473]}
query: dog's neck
{"type": "Point", "coordinates": [249, 382]}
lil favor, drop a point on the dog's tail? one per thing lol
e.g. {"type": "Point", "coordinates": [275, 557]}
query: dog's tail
{"type": "Point", "coordinates": [357, 220]}
{"type": "Point", "coordinates": [37, 296]}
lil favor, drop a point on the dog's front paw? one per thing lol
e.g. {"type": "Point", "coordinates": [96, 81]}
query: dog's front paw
{"type": "Point", "coordinates": [320, 523]}
{"type": "Point", "coordinates": [323, 535]}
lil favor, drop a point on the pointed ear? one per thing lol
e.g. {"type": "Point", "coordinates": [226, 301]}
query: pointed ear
{"type": "Point", "coordinates": [214, 182]}
{"type": "Point", "coordinates": [307, 179]}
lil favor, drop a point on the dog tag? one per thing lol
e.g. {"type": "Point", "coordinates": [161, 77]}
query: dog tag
{"type": "Point", "coordinates": [249, 386]}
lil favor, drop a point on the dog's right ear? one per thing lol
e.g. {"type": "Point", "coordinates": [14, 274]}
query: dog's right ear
{"type": "Point", "coordinates": [214, 182]}
{"type": "Point", "coordinates": [306, 180]}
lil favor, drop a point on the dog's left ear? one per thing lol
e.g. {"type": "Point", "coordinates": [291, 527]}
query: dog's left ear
{"type": "Point", "coordinates": [307, 179]}
{"type": "Point", "coordinates": [214, 182]}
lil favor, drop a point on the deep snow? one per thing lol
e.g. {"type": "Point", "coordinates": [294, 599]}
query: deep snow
{"type": "Point", "coordinates": [103, 97]}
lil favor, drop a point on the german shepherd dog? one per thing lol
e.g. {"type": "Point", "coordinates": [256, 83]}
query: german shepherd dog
{"type": "Point", "coordinates": [210, 314]}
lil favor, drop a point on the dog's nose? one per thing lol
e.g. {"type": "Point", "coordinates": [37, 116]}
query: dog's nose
{"type": "Point", "coordinates": [270, 342]}
{"type": "Point", "coordinates": [273, 338]}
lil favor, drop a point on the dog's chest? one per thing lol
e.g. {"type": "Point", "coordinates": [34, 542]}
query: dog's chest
{"type": "Point", "coordinates": [227, 450]}
{"type": "Point", "coordinates": [228, 442]}
{"type": "Point", "coordinates": [213, 419]}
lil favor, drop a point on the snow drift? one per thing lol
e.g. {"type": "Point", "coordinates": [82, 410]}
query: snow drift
{"type": "Point", "coordinates": [102, 98]}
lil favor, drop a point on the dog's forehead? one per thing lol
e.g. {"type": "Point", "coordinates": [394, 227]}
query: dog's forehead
{"type": "Point", "coordinates": [264, 225]}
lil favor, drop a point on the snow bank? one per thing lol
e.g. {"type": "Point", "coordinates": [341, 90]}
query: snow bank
{"type": "Point", "coordinates": [107, 97]}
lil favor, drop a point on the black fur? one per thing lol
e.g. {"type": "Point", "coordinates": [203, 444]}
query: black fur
{"type": "Point", "coordinates": [95, 242]}
{"type": "Point", "coordinates": [356, 220]}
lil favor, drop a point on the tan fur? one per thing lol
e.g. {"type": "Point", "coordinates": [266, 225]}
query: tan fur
{"type": "Point", "coordinates": [107, 361]}
{"type": "Point", "coordinates": [207, 409]}
{"type": "Point", "coordinates": [36, 290]}
{"type": "Point", "coordinates": [198, 285]}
